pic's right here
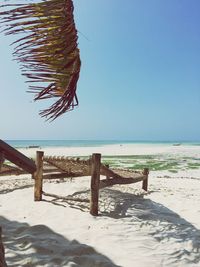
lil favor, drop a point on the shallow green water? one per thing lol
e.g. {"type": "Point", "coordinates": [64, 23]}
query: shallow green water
{"type": "Point", "coordinates": [153, 162]}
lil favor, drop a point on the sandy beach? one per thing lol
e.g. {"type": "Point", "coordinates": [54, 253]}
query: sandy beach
{"type": "Point", "coordinates": [99, 111]}
{"type": "Point", "coordinates": [157, 228]}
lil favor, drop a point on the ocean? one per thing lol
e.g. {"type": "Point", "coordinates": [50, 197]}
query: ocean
{"type": "Point", "coordinates": [90, 143]}
{"type": "Point", "coordinates": [171, 162]}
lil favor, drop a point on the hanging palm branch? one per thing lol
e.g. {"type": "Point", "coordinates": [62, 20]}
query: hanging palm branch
{"type": "Point", "coordinates": [47, 50]}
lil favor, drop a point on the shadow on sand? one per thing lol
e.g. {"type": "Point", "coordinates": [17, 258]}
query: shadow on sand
{"type": "Point", "coordinates": [38, 245]}
{"type": "Point", "coordinates": [161, 223]}
{"type": "Point", "coordinates": [11, 185]}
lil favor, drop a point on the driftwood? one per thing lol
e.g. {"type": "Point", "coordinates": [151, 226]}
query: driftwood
{"type": "Point", "coordinates": [2, 252]}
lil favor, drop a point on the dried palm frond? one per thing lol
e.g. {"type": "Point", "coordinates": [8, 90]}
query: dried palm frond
{"type": "Point", "coordinates": [47, 50]}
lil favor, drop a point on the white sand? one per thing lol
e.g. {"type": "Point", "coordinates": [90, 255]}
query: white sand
{"type": "Point", "coordinates": [160, 228]}
{"type": "Point", "coordinates": [121, 149]}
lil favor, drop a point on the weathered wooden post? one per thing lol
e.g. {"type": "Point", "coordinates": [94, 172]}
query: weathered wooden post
{"type": "Point", "coordinates": [2, 158]}
{"type": "Point", "coordinates": [145, 181]}
{"type": "Point", "coordinates": [2, 252]}
{"type": "Point", "coordinates": [38, 176]}
{"type": "Point", "coordinates": [95, 179]}
{"type": "Point", "coordinates": [107, 165]}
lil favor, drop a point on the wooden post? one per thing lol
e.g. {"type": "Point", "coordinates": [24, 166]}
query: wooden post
{"type": "Point", "coordinates": [2, 251]}
{"type": "Point", "coordinates": [38, 176]}
{"type": "Point", "coordinates": [107, 165]}
{"type": "Point", "coordinates": [145, 181]}
{"type": "Point", "coordinates": [2, 158]}
{"type": "Point", "coordinates": [95, 180]}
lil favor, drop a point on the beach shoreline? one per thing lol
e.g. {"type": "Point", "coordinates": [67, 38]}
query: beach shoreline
{"type": "Point", "coordinates": [113, 149]}
{"type": "Point", "coordinates": [158, 228]}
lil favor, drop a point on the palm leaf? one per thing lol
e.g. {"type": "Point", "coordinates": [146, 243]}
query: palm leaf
{"type": "Point", "coordinates": [47, 50]}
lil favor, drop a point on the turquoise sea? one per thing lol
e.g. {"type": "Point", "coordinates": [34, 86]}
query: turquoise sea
{"type": "Point", "coordinates": [86, 143]}
{"type": "Point", "coordinates": [157, 162]}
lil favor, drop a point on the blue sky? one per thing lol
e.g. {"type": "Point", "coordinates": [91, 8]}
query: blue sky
{"type": "Point", "coordinates": [140, 76]}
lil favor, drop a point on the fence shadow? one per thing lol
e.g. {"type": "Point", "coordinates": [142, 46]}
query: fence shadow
{"type": "Point", "coordinates": [9, 190]}
{"type": "Point", "coordinates": [163, 224]}
{"type": "Point", "coordinates": [38, 245]}
{"type": "Point", "coordinates": [10, 185]}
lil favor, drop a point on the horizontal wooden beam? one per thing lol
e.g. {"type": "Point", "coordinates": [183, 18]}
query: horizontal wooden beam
{"type": "Point", "coordinates": [113, 181]}
{"type": "Point", "coordinates": [50, 170]}
{"type": "Point", "coordinates": [60, 175]}
{"type": "Point", "coordinates": [120, 173]}
{"type": "Point", "coordinates": [12, 172]}
{"type": "Point", "coordinates": [19, 159]}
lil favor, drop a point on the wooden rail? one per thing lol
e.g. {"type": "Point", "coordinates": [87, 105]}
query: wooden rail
{"type": "Point", "coordinates": [14, 156]}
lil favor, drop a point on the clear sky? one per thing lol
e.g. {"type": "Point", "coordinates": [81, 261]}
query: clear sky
{"type": "Point", "coordinates": [140, 76]}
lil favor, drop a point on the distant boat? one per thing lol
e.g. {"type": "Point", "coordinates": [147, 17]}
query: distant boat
{"type": "Point", "coordinates": [177, 144]}
{"type": "Point", "coordinates": [33, 146]}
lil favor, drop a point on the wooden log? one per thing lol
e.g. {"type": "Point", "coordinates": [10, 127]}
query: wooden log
{"type": "Point", "coordinates": [2, 251]}
{"type": "Point", "coordinates": [95, 179]}
{"type": "Point", "coordinates": [38, 176]}
{"type": "Point", "coordinates": [17, 158]}
{"type": "Point", "coordinates": [145, 181]}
